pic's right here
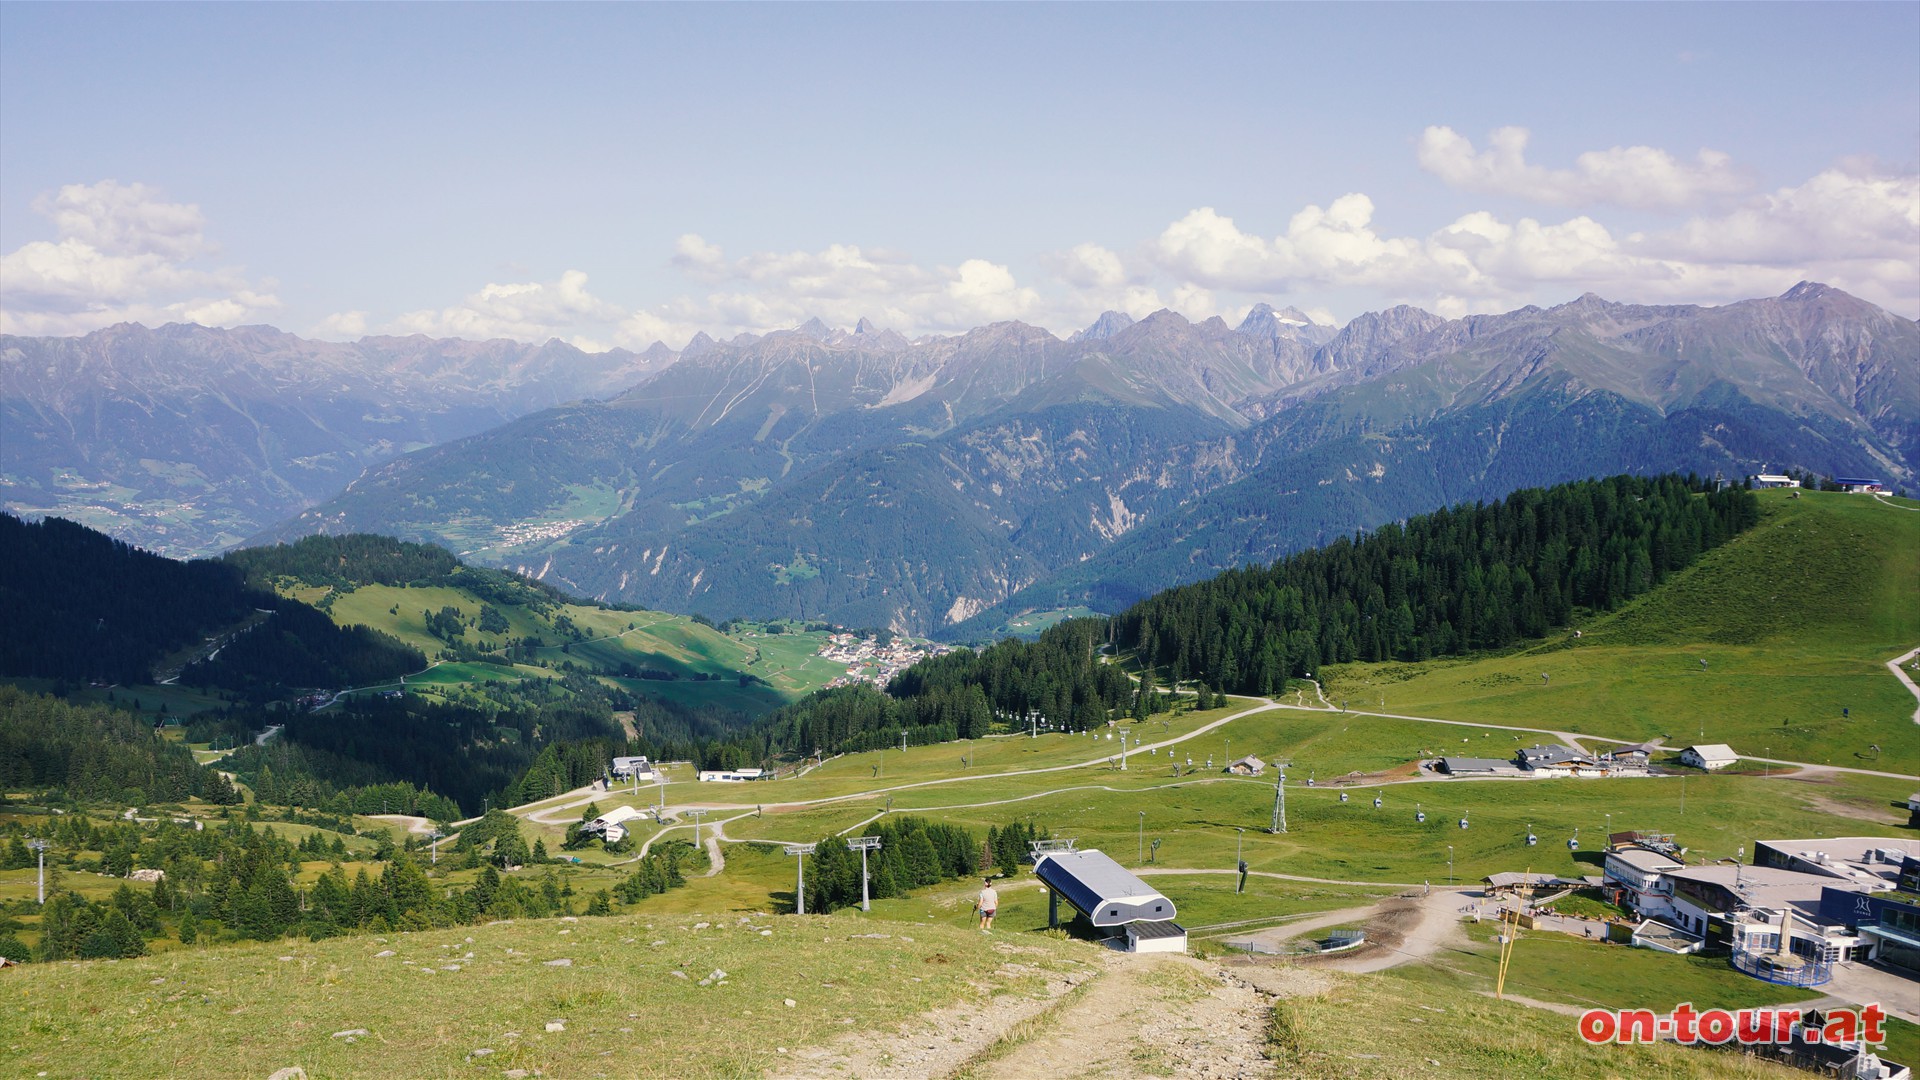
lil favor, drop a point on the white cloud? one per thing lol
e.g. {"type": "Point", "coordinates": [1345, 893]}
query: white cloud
{"type": "Point", "coordinates": [125, 219]}
{"type": "Point", "coordinates": [984, 289]}
{"type": "Point", "coordinates": [342, 326]}
{"type": "Point", "coordinates": [1336, 245]}
{"type": "Point", "coordinates": [697, 257]}
{"type": "Point", "coordinates": [1860, 233]}
{"type": "Point", "coordinates": [1641, 177]}
{"type": "Point", "coordinates": [839, 284]}
{"type": "Point", "coordinates": [1839, 213]}
{"type": "Point", "coordinates": [1195, 302]}
{"type": "Point", "coordinates": [123, 254]}
{"type": "Point", "coordinates": [1089, 266]}
{"type": "Point", "coordinates": [1097, 279]}
{"type": "Point", "coordinates": [524, 311]}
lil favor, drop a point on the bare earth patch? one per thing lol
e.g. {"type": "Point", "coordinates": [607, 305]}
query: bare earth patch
{"type": "Point", "coordinates": [940, 1042]}
{"type": "Point", "coordinates": [1117, 1015]}
{"type": "Point", "coordinates": [1156, 1015]}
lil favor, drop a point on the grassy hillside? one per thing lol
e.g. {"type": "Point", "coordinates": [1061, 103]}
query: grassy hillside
{"type": "Point", "coordinates": [1794, 622]}
{"type": "Point", "coordinates": [425, 1003]}
{"type": "Point", "coordinates": [1378, 1026]}
{"type": "Point", "coordinates": [493, 998]}
{"type": "Point", "coordinates": [1195, 815]}
{"type": "Point", "coordinates": [704, 661]}
{"type": "Point", "coordinates": [428, 598]}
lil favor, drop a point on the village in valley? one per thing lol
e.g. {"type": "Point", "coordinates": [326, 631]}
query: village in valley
{"type": "Point", "coordinates": [873, 657]}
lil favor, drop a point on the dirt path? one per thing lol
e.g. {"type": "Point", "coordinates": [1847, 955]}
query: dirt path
{"type": "Point", "coordinates": [576, 799]}
{"type": "Point", "coordinates": [1900, 672]}
{"type": "Point", "coordinates": [1400, 930]}
{"type": "Point", "coordinates": [418, 825]}
{"type": "Point", "coordinates": [1162, 1015]}
{"type": "Point", "coordinates": [1113, 1015]}
{"type": "Point", "coordinates": [1149, 871]}
{"type": "Point", "coordinates": [1422, 926]}
{"type": "Point", "coordinates": [1267, 938]}
{"type": "Point", "coordinates": [942, 1042]}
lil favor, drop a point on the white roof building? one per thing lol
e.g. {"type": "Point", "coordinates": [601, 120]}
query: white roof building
{"type": "Point", "coordinates": [609, 825]}
{"type": "Point", "coordinates": [624, 767]}
{"type": "Point", "coordinates": [1709, 756]}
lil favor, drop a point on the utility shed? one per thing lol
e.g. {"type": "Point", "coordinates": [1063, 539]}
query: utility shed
{"type": "Point", "coordinates": [1111, 898]}
{"type": "Point", "coordinates": [1156, 937]}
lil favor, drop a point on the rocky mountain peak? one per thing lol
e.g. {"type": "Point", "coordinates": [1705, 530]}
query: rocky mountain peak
{"type": "Point", "coordinates": [1808, 290]}
{"type": "Point", "coordinates": [1108, 324]}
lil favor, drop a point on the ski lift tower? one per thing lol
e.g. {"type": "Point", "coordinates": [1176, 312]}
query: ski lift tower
{"type": "Point", "coordinates": [864, 844]}
{"type": "Point", "coordinates": [800, 851]}
{"type": "Point", "coordinates": [1279, 824]}
{"type": "Point", "coordinates": [40, 848]}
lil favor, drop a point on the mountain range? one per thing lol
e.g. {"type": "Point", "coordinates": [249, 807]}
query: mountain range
{"type": "Point", "coordinates": [186, 440]}
{"type": "Point", "coordinates": [946, 484]}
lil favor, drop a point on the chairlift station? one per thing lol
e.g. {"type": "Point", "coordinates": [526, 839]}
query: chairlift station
{"type": "Point", "coordinates": [1128, 913]}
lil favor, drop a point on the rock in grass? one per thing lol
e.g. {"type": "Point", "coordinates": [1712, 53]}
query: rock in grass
{"type": "Point", "coordinates": [351, 1034]}
{"type": "Point", "coordinates": [291, 1072]}
{"type": "Point", "coordinates": [382, 954]}
{"type": "Point", "coordinates": [556, 1025]}
{"type": "Point", "coordinates": [562, 962]}
{"type": "Point", "coordinates": [790, 1003]}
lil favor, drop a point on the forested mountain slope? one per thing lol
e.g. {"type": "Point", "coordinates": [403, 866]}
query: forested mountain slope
{"type": "Point", "coordinates": [1469, 578]}
{"type": "Point", "coordinates": [101, 610]}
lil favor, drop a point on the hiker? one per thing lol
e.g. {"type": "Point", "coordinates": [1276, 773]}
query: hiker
{"type": "Point", "coordinates": [987, 903]}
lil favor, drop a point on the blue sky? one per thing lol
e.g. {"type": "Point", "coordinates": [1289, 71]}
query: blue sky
{"type": "Point", "coordinates": [613, 174]}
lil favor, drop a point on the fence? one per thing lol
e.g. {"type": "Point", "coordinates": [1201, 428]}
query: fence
{"type": "Point", "coordinates": [1798, 971]}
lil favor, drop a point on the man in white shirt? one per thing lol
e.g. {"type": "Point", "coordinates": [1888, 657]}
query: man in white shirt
{"type": "Point", "coordinates": [987, 903]}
